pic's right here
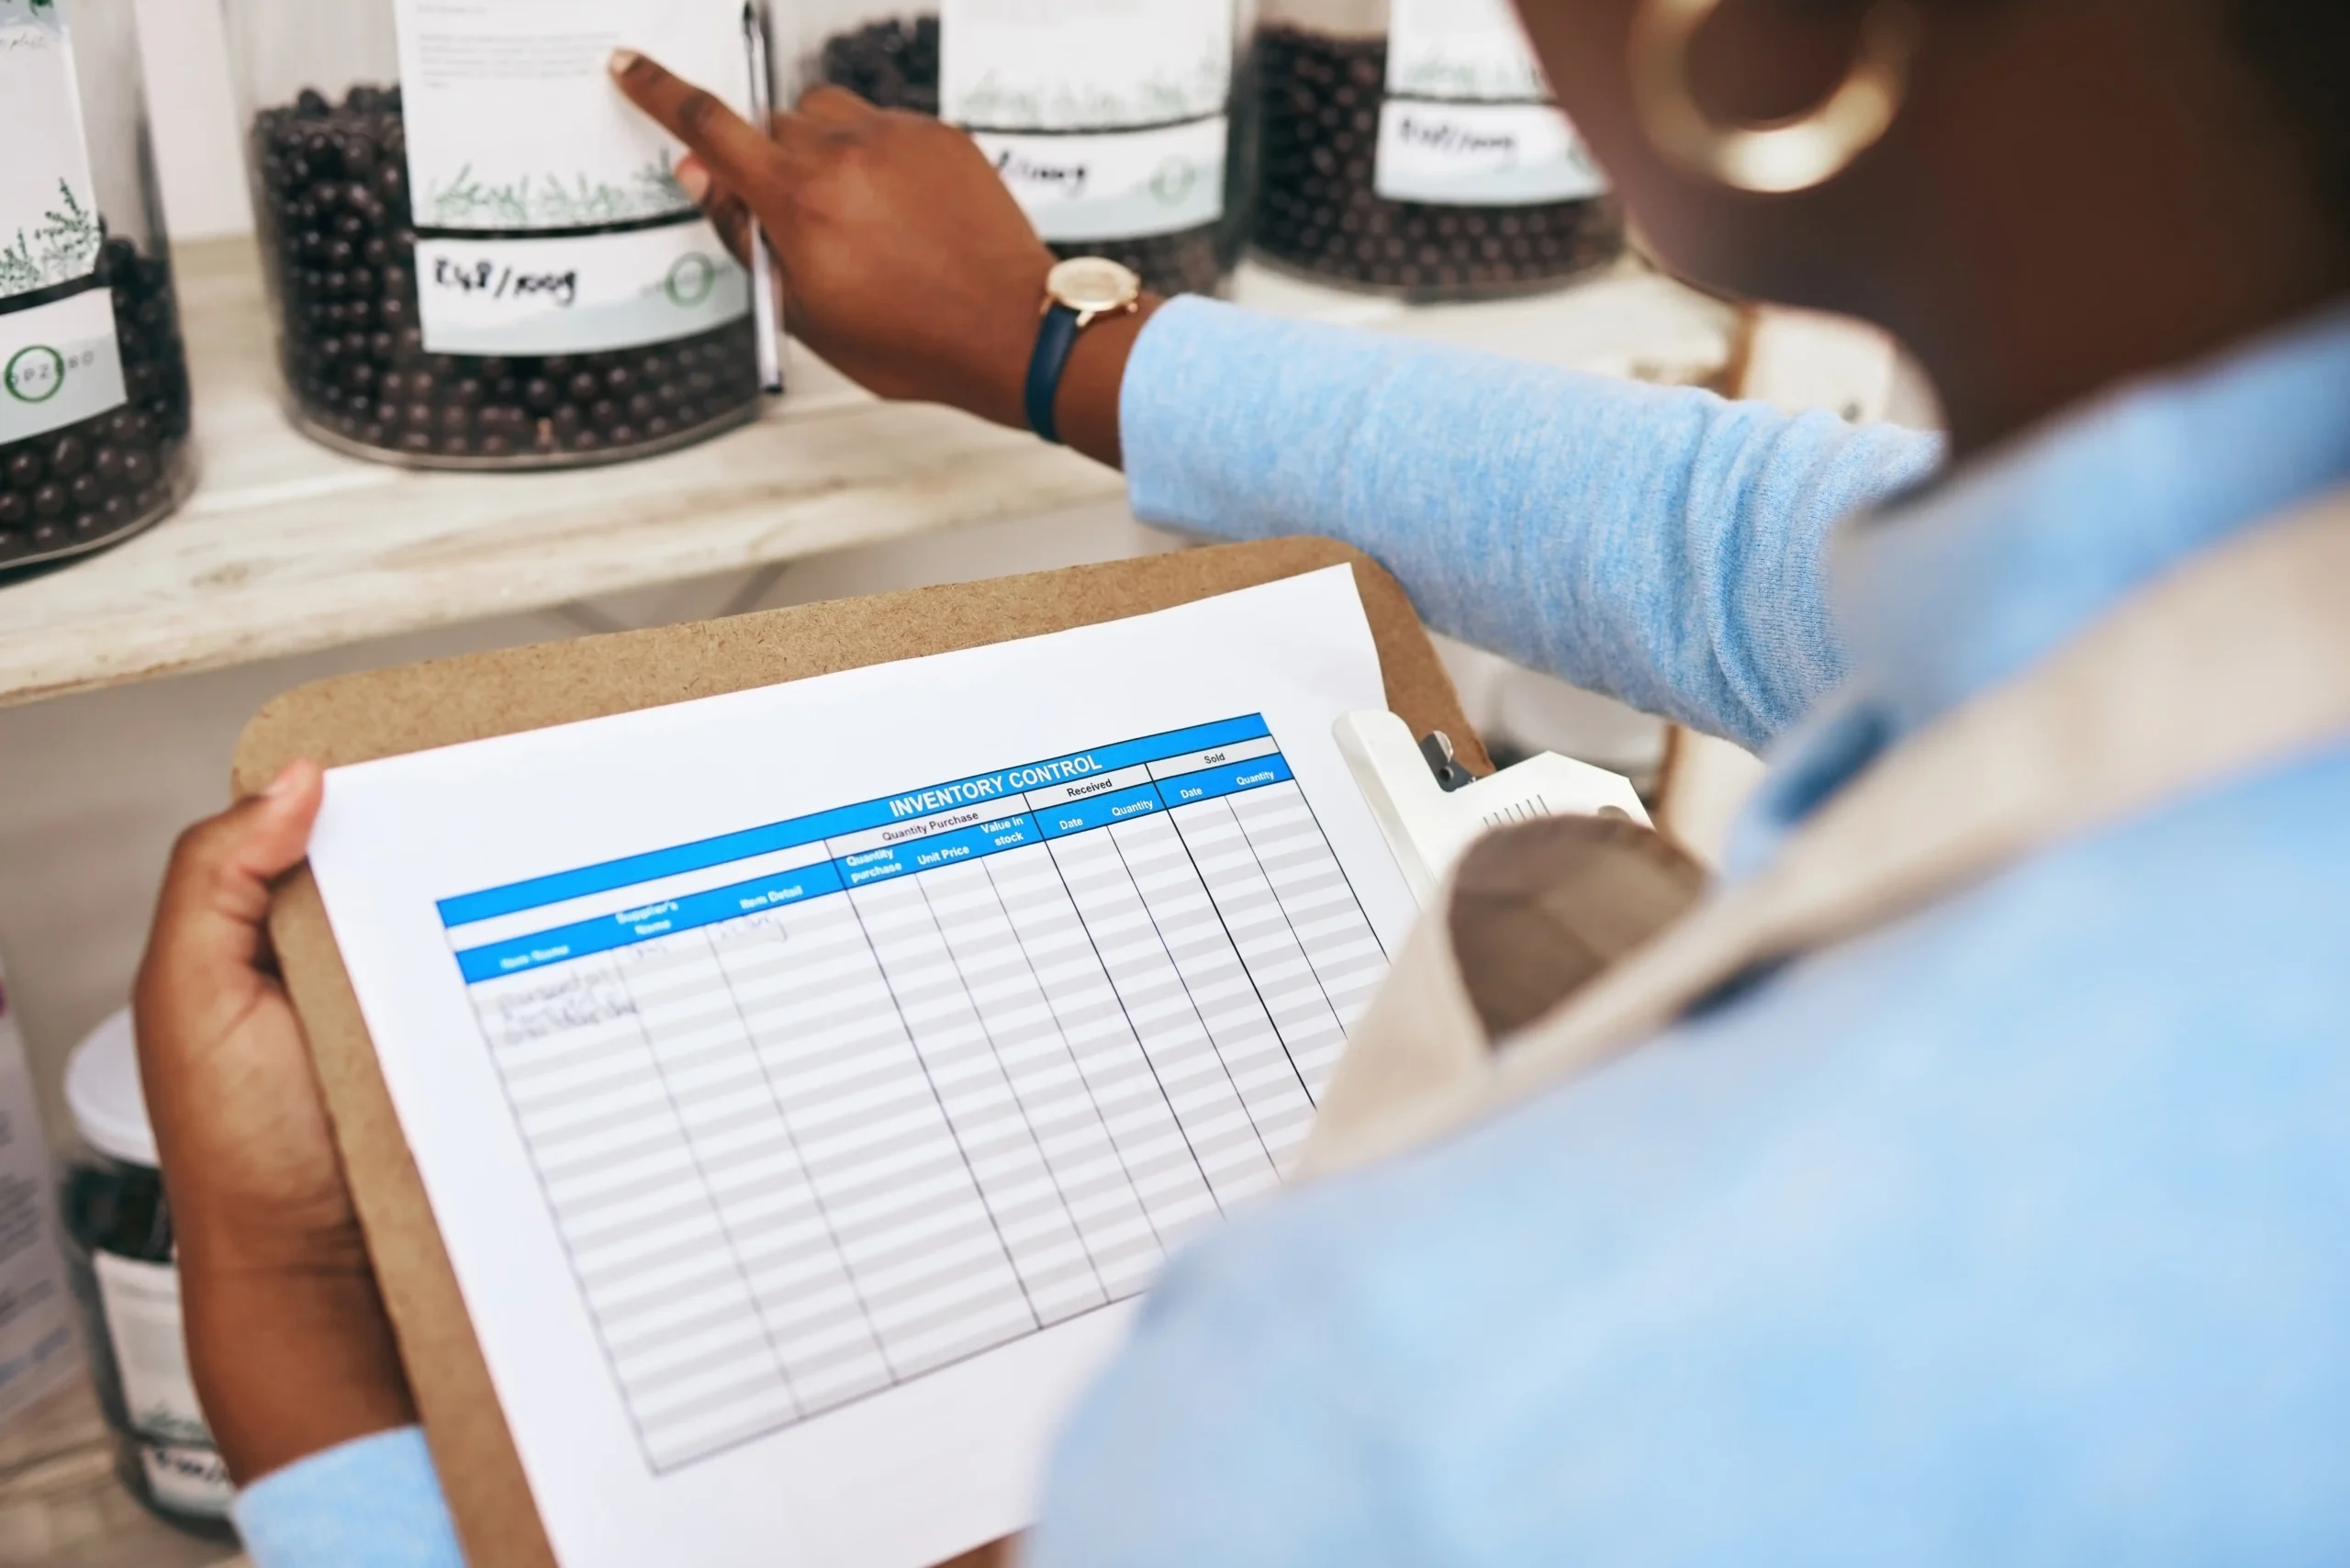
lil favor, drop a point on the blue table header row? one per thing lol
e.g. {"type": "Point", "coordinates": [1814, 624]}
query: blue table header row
{"type": "Point", "coordinates": [670, 917]}
{"type": "Point", "coordinates": [1009, 784]}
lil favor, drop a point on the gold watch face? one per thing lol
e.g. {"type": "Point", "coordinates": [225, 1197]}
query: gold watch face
{"type": "Point", "coordinates": [1090, 285]}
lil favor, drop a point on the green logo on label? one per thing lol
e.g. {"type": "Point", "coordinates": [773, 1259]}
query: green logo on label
{"type": "Point", "coordinates": [1174, 180]}
{"type": "Point", "coordinates": [690, 281]}
{"type": "Point", "coordinates": [35, 374]}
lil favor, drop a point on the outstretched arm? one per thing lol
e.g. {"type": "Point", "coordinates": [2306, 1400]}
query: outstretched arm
{"type": "Point", "coordinates": [1662, 545]}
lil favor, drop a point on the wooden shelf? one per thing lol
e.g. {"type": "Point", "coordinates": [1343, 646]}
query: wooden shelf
{"type": "Point", "coordinates": [288, 547]}
{"type": "Point", "coordinates": [61, 1506]}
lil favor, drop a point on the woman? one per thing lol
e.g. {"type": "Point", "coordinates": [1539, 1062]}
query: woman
{"type": "Point", "coordinates": [2010, 1232]}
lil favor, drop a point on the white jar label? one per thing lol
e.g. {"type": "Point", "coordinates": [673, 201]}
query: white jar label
{"type": "Point", "coordinates": [58, 358]}
{"type": "Point", "coordinates": [58, 362]}
{"type": "Point", "coordinates": [1107, 119]}
{"type": "Point", "coordinates": [1468, 120]}
{"type": "Point", "coordinates": [1482, 155]}
{"type": "Point", "coordinates": [1463, 51]}
{"type": "Point", "coordinates": [38, 1345]}
{"type": "Point", "coordinates": [516, 135]}
{"type": "Point", "coordinates": [50, 232]}
{"type": "Point", "coordinates": [141, 1302]}
{"type": "Point", "coordinates": [192, 1479]}
{"type": "Point", "coordinates": [579, 294]}
{"type": "Point", "coordinates": [1116, 185]}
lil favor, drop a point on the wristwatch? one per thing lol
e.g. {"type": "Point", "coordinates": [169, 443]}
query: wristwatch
{"type": "Point", "coordinates": [1077, 293]}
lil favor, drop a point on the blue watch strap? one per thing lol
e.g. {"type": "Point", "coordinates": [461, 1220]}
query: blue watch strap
{"type": "Point", "coordinates": [1055, 339]}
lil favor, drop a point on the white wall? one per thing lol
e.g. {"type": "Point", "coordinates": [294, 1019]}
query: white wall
{"type": "Point", "coordinates": [193, 117]}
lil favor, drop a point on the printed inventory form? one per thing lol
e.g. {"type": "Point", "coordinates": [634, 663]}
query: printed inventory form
{"type": "Point", "coordinates": [807, 1080]}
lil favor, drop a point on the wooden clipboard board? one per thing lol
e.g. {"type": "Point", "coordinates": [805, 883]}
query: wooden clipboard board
{"type": "Point", "coordinates": [390, 713]}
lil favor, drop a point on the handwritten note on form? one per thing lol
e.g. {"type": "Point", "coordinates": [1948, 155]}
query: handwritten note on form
{"type": "Point", "coordinates": [807, 1080]}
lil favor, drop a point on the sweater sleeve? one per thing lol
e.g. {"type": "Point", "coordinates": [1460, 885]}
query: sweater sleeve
{"type": "Point", "coordinates": [1662, 546]}
{"type": "Point", "coordinates": [371, 1503]}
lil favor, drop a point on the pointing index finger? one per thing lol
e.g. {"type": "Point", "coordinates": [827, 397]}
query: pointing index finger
{"type": "Point", "coordinates": [734, 151]}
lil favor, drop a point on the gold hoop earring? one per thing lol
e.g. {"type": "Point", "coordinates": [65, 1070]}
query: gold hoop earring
{"type": "Point", "coordinates": [1791, 155]}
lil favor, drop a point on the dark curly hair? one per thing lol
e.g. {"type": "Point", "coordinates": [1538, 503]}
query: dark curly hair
{"type": "Point", "coordinates": [2302, 48]}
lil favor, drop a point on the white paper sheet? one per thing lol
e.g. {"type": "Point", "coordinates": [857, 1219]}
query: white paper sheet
{"type": "Point", "coordinates": [513, 121]}
{"type": "Point", "coordinates": [798, 1173]}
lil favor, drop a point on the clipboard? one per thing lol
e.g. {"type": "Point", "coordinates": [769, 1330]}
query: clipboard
{"type": "Point", "coordinates": [359, 717]}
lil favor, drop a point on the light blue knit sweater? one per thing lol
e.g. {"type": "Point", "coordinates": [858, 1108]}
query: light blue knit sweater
{"type": "Point", "coordinates": [2015, 1233]}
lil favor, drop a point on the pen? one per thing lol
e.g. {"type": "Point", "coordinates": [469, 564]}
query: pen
{"type": "Point", "coordinates": [754, 49]}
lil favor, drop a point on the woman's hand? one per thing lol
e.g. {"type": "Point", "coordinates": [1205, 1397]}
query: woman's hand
{"type": "Point", "coordinates": [286, 1335]}
{"type": "Point", "coordinates": [905, 262]}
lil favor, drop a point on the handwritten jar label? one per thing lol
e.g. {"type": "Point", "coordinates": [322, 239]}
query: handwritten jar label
{"type": "Point", "coordinates": [1117, 185]}
{"type": "Point", "coordinates": [549, 216]}
{"type": "Point", "coordinates": [577, 294]}
{"type": "Point", "coordinates": [141, 1302]}
{"type": "Point", "coordinates": [1108, 119]}
{"type": "Point", "coordinates": [1468, 120]}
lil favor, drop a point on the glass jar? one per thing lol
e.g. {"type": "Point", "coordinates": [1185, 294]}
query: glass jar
{"type": "Point", "coordinates": [1117, 123]}
{"type": "Point", "coordinates": [119, 1252]}
{"type": "Point", "coordinates": [476, 249]}
{"type": "Point", "coordinates": [1415, 149]}
{"type": "Point", "coordinates": [93, 393]}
